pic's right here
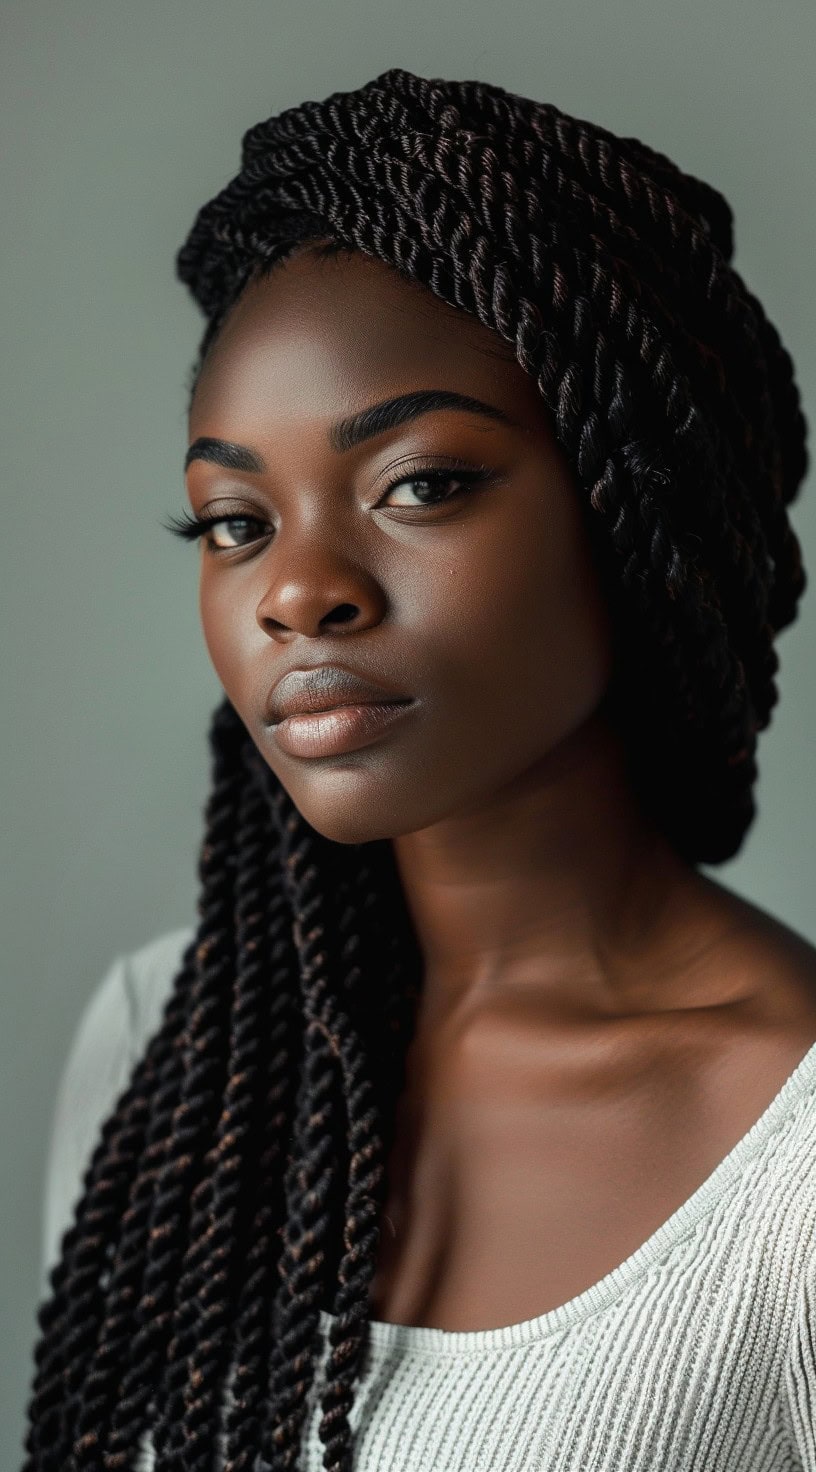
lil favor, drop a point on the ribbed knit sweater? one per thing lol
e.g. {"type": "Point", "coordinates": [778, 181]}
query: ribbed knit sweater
{"type": "Point", "coordinates": [697, 1352]}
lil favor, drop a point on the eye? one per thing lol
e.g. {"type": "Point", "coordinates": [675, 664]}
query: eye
{"type": "Point", "coordinates": [224, 532]}
{"type": "Point", "coordinates": [432, 484]}
{"type": "Point", "coordinates": [207, 527]}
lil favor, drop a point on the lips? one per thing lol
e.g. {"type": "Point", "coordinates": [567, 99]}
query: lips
{"type": "Point", "coordinates": [325, 687]}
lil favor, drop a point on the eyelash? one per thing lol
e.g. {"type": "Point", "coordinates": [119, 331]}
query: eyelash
{"type": "Point", "coordinates": [193, 528]}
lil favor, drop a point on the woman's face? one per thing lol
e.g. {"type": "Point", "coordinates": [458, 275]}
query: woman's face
{"type": "Point", "coordinates": [484, 608]}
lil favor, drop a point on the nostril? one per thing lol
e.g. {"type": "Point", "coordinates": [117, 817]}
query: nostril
{"type": "Point", "coordinates": [343, 613]}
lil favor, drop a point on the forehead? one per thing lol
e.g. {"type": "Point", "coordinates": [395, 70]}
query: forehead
{"type": "Point", "coordinates": [317, 337]}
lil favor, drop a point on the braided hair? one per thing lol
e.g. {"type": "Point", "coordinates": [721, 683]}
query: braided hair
{"type": "Point", "coordinates": [230, 1208]}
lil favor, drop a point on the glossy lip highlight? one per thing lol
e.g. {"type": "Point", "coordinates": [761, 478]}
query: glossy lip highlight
{"type": "Point", "coordinates": [306, 691]}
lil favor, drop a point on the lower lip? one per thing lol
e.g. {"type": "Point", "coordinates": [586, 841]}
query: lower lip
{"type": "Point", "coordinates": [329, 732]}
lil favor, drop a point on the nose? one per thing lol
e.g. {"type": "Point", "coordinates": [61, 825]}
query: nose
{"type": "Point", "coordinates": [317, 592]}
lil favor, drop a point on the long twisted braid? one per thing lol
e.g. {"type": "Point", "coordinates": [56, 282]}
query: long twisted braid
{"type": "Point", "coordinates": [208, 1278]}
{"type": "Point", "coordinates": [234, 1193]}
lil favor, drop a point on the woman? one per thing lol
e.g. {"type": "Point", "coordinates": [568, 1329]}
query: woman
{"type": "Point", "coordinates": [471, 1125]}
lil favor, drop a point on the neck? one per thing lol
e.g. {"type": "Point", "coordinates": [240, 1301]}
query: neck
{"type": "Point", "coordinates": [557, 880]}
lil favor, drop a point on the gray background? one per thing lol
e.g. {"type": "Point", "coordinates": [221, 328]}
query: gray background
{"type": "Point", "coordinates": [119, 120]}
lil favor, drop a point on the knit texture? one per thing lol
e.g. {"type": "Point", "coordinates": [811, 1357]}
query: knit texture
{"type": "Point", "coordinates": [697, 1352]}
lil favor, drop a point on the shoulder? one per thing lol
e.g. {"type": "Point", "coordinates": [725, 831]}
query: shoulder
{"type": "Point", "coordinates": [121, 1013]}
{"type": "Point", "coordinates": [148, 975]}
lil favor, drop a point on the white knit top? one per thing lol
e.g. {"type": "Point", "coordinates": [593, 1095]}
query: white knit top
{"type": "Point", "coordinates": [697, 1352]}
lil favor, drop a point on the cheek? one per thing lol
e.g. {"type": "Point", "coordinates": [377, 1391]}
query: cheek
{"type": "Point", "coordinates": [521, 637]}
{"type": "Point", "coordinates": [228, 632]}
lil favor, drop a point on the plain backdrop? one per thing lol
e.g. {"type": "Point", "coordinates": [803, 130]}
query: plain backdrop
{"type": "Point", "coordinates": [119, 121]}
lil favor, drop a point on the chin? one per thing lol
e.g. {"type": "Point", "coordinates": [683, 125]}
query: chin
{"type": "Point", "coordinates": [358, 825]}
{"type": "Point", "coordinates": [351, 816]}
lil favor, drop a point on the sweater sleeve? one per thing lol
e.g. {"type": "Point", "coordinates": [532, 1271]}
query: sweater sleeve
{"type": "Point", "coordinates": [800, 1372]}
{"type": "Point", "coordinates": [120, 1015]}
{"type": "Point", "coordinates": [94, 1073]}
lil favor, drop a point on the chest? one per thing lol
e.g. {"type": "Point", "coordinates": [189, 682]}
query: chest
{"type": "Point", "coordinates": [506, 1200]}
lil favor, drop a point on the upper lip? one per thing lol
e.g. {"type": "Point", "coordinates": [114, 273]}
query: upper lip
{"type": "Point", "coordinates": [324, 687]}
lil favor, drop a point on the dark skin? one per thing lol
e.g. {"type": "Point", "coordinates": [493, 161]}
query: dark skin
{"type": "Point", "coordinates": [600, 1023]}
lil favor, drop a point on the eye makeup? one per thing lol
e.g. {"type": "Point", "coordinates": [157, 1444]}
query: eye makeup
{"type": "Point", "coordinates": [193, 528]}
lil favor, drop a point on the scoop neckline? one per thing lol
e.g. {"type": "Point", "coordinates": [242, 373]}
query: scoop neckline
{"type": "Point", "coordinates": [431, 1340]}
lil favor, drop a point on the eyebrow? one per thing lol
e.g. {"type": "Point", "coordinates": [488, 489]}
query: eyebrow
{"type": "Point", "coordinates": [346, 433]}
